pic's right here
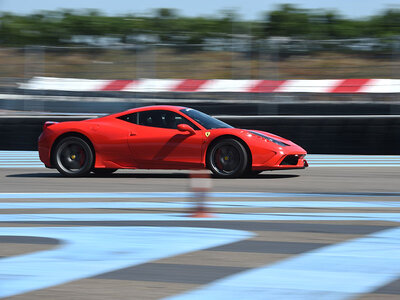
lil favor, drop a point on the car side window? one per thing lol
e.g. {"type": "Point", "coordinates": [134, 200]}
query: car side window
{"type": "Point", "coordinates": [150, 118]}
{"type": "Point", "coordinates": [131, 118]}
{"type": "Point", "coordinates": [172, 120]}
{"type": "Point", "coordinates": [158, 118]}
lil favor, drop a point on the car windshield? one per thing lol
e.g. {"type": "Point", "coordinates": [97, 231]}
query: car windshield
{"type": "Point", "coordinates": [204, 120]}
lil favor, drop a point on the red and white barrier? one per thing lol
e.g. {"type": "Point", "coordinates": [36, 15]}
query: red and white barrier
{"type": "Point", "coordinates": [217, 85]}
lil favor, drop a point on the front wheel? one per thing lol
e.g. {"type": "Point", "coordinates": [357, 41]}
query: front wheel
{"type": "Point", "coordinates": [228, 158]}
{"type": "Point", "coordinates": [73, 157]}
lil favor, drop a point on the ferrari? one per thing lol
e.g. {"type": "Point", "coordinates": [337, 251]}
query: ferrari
{"type": "Point", "coordinates": [163, 137]}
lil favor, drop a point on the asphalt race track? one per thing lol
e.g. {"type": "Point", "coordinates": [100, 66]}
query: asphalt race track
{"type": "Point", "coordinates": [327, 232]}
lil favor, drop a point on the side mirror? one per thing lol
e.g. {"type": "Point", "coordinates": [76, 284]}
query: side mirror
{"type": "Point", "coordinates": [185, 127]}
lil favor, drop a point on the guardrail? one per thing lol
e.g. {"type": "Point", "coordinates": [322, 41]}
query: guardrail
{"type": "Point", "coordinates": [368, 134]}
{"type": "Point", "coordinates": [222, 103]}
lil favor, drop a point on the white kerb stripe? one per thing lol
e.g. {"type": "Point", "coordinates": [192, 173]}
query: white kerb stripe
{"type": "Point", "coordinates": [381, 86]}
{"type": "Point", "coordinates": [226, 85]}
{"type": "Point", "coordinates": [308, 86]}
{"type": "Point", "coordinates": [153, 85]}
{"type": "Point", "coordinates": [66, 84]}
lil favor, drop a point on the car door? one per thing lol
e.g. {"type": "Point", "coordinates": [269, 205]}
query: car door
{"type": "Point", "coordinates": [156, 142]}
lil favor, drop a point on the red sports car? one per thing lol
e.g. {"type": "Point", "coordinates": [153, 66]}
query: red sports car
{"type": "Point", "coordinates": [163, 137]}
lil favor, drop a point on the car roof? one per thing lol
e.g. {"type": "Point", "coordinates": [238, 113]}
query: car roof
{"type": "Point", "coordinates": [153, 107]}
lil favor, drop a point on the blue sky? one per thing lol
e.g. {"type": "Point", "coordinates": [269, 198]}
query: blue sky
{"type": "Point", "coordinates": [248, 9]}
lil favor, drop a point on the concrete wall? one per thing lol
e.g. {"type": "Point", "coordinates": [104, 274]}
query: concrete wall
{"type": "Point", "coordinates": [317, 134]}
{"type": "Point", "coordinates": [331, 134]}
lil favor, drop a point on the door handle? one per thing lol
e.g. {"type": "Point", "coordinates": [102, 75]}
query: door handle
{"type": "Point", "coordinates": [132, 133]}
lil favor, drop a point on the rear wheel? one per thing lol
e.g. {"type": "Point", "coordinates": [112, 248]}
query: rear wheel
{"type": "Point", "coordinates": [228, 158]}
{"type": "Point", "coordinates": [73, 157]}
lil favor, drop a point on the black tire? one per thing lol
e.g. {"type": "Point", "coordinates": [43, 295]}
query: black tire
{"type": "Point", "coordinates": [104, 171]}
{"type": "Point", "coordinates": [228, 158]}
{"type": "Point", "coordinates": [73, 157]}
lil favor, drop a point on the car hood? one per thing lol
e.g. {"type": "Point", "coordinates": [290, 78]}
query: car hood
{"type": "Point", "coordinates": [274, 136]}
{"type": "Point", "coordinates": [246, 134]}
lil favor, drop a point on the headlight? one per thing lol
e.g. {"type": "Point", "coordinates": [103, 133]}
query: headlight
{"type": "Point", "coordinates": [270, 139]}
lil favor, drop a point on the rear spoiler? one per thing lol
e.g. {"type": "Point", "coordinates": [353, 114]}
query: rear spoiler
{"type": "Point", "coordinates": [48, 124]}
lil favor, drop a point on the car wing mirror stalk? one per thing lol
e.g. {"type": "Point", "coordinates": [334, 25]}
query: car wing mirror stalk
{"type": "Point", "coordinates": [186, 128]}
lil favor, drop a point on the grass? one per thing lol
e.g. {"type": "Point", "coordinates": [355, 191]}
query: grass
{"type": "Point", "coordinates": [166, 63]}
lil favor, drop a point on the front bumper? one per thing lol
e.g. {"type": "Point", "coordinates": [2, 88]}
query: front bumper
{"type": "Point", "coordinates": [283, 162]}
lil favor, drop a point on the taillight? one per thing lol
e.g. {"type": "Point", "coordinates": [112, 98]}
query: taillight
{"type": "Point", "coordinates": [48, 124]}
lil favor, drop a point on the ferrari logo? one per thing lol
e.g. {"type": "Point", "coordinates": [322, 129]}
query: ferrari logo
{"type": "Point", "coordinates": [207, 134]}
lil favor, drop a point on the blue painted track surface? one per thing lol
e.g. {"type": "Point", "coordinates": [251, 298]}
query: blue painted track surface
{"type": "Point", "coordinates": [84, 253]}
{"type": "Point", "coordinates": [338, 272]}
{"type": "Point", "coordinates": [30, 159]}
{"type": "Point", "coordinates": [326, 234]}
